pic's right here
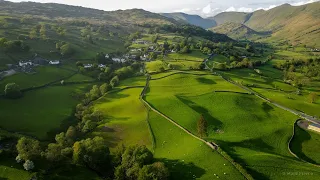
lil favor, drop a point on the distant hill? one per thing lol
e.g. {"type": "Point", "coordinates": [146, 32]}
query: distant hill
{"type": "Point", "coordinates": [191, 19]}
{"type": "Point", "coordinates": [297, 24]}
{"type": "Point", "coordinates": [237, 31]}
{"type": "Point", "coordinates": [236, 17]}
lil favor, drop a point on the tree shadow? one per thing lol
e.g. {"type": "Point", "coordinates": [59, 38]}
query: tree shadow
{"type": "Point", "coordinates": [267, 108]}
{"type": "Point", "coordinates": [64, 125]}
{"type": "Point", "coordinates": [181, 170]}
{"type": "Point", "coordinates": [213, 123]}
{"type": "Point", "coordinates": [228, 147]}
{"type": "Point", "coordinates": [204, 80]}
{"type": "Point", "coordinates": [299, 138]}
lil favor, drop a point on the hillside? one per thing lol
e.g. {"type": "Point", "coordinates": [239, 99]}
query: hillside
{"type": "Point", "coordinates": [191, 19]}
{"type": "Point", "coordinates": [44, 28]}
{"type": "Point", "coordinates": [236, 17]}
{"type": "Point", "coordinates": [298, 24]}
{"type": "Point", "coordinates": [237, 31]}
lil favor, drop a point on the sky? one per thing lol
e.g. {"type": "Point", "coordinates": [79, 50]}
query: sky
{"type": "Point", "coordinates": [204, 8]}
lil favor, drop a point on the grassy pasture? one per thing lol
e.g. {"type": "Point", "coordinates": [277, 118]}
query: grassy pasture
{"type": "Point", "coordinates": [250, 77]}
{"type": "Point", "coordinates": [186, 157]}
{"type": "Point", "coordinates": [124, 119]}
{"type": "Point", "coordinates": [194, 56]}
{"type": "Point", "coordinates": [253, 132]}
{"type": "Point", "coordinates": [79, 78]}
{"type": "Point", "coordinates": [306, 144]}
{"type": "Point", "coordinates": [167, 93]}
{"type": "Point", "coordinates": [41, 111]}
{"type": "Point", "coordinates": [45, 74]}
{"type": "Point", "coordinates": [292, 100]}
{"type": "Point", "coordinates": [10, 170]}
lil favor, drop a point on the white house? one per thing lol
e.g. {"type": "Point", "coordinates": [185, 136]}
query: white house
{"type": "Point", "coordinates": [25, 63]}
{"type": "Point", "coordinates": [56, 62]}
{"type": "Point", "coordinates": [87, 66]}
{"type": "Point", "coordinates": [107, 56]}
{"type": "Point", "coordinates": [101, 66]}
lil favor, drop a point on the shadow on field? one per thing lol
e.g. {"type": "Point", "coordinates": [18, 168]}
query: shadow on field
{"type": "Point", "coordinates": [205, 80]}
{"type": "Point", "coordinates": [181, 170]}
{"type": "Point", "coordinates": [213, 123]}
{"type": "Point", "coordinates": [299, 138]}
{"type": "Point", "coordinates": [64, 125]}
{"type": "Point", "coordinates": [266, 107]}
{"type": "Point", "coordinates": [3, 178]}
{"type": "Point", "coordinates": [228, 147]}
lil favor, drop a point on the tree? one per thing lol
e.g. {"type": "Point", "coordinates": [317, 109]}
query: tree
{"type": "Point", "coordinates": [28, 148]}
{"type": "Point", "coordinates": [92, 152]}
{"type": "Point", "coordinates": [67, 50]}
{"type": "Point", "coordinates": [132, 160]}
{"type": "Point", "coordinates": [101, 58]}
{"type": "Point", "coordinates": [53, 152]}
{"type": "Point", "coordinates": [221, 66]}
{"type": "Point", "coordinates": [28, 165]}
{"type": "Point", "coordinates": [313, 97]}
{"type": "Point", "coordinates": [155, 171]}
{"type": "Point", "coordinates": [104, 88]}
{"type": "Point", "coordinates": [114, 81]}
{"type": "Point", "coordinates": [12, 90]}
{"type": "Point", "coordinates": [89, 126]}
{"type": "Point", "coordinates": [71, 133]}
{"type": "Point", "coordinates": [202, 127]}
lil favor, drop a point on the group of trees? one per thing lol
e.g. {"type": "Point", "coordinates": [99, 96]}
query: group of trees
{"type": "Point", "coordinates": [292, 68]}
{"type": "Point", "coordinates": [13, 46]}
{"type": "Point", "coordinates": [66, 49]}
{"type": "Point", "coordinates": [137, 162]}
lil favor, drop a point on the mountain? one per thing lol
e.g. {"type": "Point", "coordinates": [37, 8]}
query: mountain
{"type": "Point", "coordinates": [191, 19]}
{"type": "Point", "coordinates": [237, 31]}
{"type": "Point", "coordinates": [297, 24]}
{"type": "Point", "coordinates": [235, 17]}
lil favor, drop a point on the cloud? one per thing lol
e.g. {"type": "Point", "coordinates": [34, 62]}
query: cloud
{"type": "Point", "coordinates": [303, 2]}
{"type": "Point", "coordinates": [241, 9]}
{"type": "Point", "coordinates": [207, 9]}
{"type": "Point", "coordinates": [184, 10]}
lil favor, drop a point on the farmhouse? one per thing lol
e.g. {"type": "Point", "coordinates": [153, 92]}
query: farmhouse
{"type": "Point", "coordinates": [56, 62]}
{"type": "Point", "coordinates": [86, 66]}
{"type": "Point", "coordinates": [314, 127]}
{"type": "Point", "coordinates": [101, 66]}
{"type": "Point", "coordinates": [25, 63]}
{"type": "Point", "coordinates": [118, 59]}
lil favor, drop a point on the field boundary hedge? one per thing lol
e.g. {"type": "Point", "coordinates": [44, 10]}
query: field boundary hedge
{"type": "Point", "coordinates": [153, 139]}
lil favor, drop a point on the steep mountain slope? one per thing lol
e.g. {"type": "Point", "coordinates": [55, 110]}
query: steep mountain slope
{"type": "Point", "coordinates": [298, 24]}
{"type": "Point", "coordinates": [237, 31]}
{"type": "Point", "coordinates": [191, 19]}
{"type": "Point", "coordinates": [236, 17]}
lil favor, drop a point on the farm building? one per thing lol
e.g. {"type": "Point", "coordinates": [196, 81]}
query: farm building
{"type": "Point", "coordinates": [107, 56]}
{"type": "Point", "coordinates": [101, 66]}
{"type": "Point", "coordinates": [25, 63]}
{"type": "Point", "coordinates": [87, 66]}
{"type": "Point", "coordinates": [118, 59]}
{"type": "Point", "coordinates": [314, 127]}
{"type": "Point", "coordinates": [56, 62]}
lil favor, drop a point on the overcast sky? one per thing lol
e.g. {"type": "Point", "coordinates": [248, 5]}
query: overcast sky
{"type": "Point", "coordinates": [200, 7]}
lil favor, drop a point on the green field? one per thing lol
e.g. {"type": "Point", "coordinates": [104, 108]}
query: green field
{"type": "Point", "coordinates": [41, 112]}
{"type": "Point", "coordinates": [11, 170]}
{"type": "Point", "coordinates": [186, 157]}
{"type": "Point", "coordinates": [79, 78]}
{"type": "Point", "coordinates": [306, 145]}
{"type": "Point", "coordinates": [44, 75]}
{"type": "Point", "coordinates": [251, 131]}
{"type": "Point", "coordinates": [124, 119]}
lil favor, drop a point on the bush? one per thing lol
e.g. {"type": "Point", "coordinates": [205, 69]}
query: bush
{"type": "Point", "coordinates": [28, 165]}
{"type": "Point", "coordinates": [12, 90]}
